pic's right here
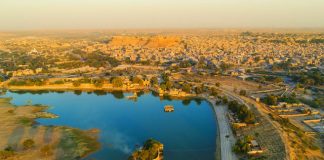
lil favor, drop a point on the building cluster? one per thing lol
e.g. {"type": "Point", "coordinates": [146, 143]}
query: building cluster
{"type": "Point", "coordinates": [302, 114]}
{"type": "Point", "coordinates": [236, 49]}
{"type": "Point", "coordinates": [292, 110]}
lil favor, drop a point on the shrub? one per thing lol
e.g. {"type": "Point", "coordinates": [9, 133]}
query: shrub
{"type": "Point", "coordinates": [59, 82]}
{"type": "Point", "coordinates": [11, 111]}
{"type": "Point", "coordinates": [46, 151]}
{"type": "Point", "coordinates": [6, 154]}
{"type": "Point", "coordinates": [243, 92]}
{"type": "Point", "coordinates": [76, 83]}
{"type": "Point", "coordinates": [28, 144]}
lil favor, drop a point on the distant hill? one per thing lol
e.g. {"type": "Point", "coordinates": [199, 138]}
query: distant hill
{"type": "Point", "coordinates": [149, 42]}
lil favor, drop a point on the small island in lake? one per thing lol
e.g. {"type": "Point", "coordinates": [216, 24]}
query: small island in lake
{"type": "Point", "coordinates": [151, 150]}
{"type": "Point", "coordinates": [168, 108]}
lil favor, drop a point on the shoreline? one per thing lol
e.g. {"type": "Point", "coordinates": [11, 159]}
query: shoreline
{"type": "Point", "coordinates": [224, 147]}
{"type": "Point", "coordinates": [62, 137]}
{"type": "Point", "coordinates": [218, 155]}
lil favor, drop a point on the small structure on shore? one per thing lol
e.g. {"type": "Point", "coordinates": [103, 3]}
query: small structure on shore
{"type": "Point", "coordinates": [134, 96]}
{"type": "Point", "coordinates": [168, 108]}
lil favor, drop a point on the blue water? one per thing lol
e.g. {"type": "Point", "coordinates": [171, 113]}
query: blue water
{"type": "Point", "coordinates": [188, 133]}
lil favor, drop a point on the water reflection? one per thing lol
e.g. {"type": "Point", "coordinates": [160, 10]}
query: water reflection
{"type": "Point", "coordinates": [124, 124]}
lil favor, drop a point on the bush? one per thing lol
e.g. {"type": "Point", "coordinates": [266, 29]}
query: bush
{"type": "Point", "coordinates": [243, 92]}
{"type": "Point", "coordinates": [6, 154]}
{"type": "Point", "coordinates": [270, 100]}
{"type": "Point", "coordinates": [46, 151]}
{"type": "Point", "coordinates": [59, 82]}
{"type": "Point", "coordinates": [242, 112]}
{"type": "Point", "coordinates": [28, 144]}
{"type": "Point", "coordinates": [11, 111]}
{"type": "Point", "coordinates": [242, 146]}
{"type": "Point", "coordinates": [117, 82]}
{"type": "Point", "coordinates": [76, 83]}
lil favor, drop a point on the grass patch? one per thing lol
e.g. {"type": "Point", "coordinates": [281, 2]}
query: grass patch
{"type": "Point", "coordinates": [26, 121]}
{"type": "Point", "coordinates": [77, 144]}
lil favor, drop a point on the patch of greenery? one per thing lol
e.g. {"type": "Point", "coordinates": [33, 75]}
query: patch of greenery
{"type": "Point", "coordinates": [28, 82]}
{"type": "Point", "coordinates": [76, 144]}
{"type": "Point", "coordinates": [242, 112]}
{"type": "Point", "coordinates": [313, 103]}
{"type": "Point", "coordinates": [151, 149]}
{"type": "Point", "coordinates": [7, 153]}
{"type": "Point", "coordinates": [28, 144]}
{"type": "Point", "coordinates": [242, 146]}
{"type": "Point", "coordinates": [26, 121]}
{"type": "Point", "coordinates": [312, 77]}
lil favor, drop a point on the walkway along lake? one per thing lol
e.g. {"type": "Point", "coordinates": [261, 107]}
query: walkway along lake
{"type": "Point", "coordinates": [189, 132]}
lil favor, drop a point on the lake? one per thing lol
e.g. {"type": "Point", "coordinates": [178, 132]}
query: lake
{"type": "Point", "coordinates": [190, 132]}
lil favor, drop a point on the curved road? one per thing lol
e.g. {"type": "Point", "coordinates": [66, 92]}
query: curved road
{"type": "Point", "coordinates": [224, 130]}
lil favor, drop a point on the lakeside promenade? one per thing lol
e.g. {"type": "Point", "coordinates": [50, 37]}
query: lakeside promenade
{"type": "Point", "coordinates": [224, 130]}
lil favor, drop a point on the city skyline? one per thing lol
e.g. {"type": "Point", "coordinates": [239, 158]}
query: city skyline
{"type": "Point", "coordinates": [142, 14]}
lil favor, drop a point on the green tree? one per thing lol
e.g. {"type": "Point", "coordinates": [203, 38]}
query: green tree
{"type": "Point", "coordinates": [199, 90]}
{"type": "Point", "coordinates": [271, 100]}
{"type": "Point", "coordinates": [186, 88]}
{"type": "Point", "coordinates": [28, 144]}
{"type": "Point", "coordinates": [76, 83]}
{"type": "Point", "coordinates": [154, 81]}
{"type": "Point", "coordinates": [169, 85]}
{"type": "Point", "coordinates": [138, 80]}
{"type": "Point", "coordinates": [117, 82]}
{"type": "Point", "coordinates": [243, 92]}
{"type": "Point", "coordinates": [163, 86]}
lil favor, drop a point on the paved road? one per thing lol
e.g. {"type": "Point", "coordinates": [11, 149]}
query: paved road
{"type": "Point", "coordinates": [224, 129]}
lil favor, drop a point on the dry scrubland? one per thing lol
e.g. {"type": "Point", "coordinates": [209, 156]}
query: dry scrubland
{"type": "Point", "coordinates": [267, 136]}
{"type": "Point", "coordinates": [45, 142]}
{"type": "Point", "coordinates": [299, 145]}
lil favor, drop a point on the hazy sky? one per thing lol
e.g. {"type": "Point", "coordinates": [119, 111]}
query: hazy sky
{"type": "Point", "coordinates": [111, 14]}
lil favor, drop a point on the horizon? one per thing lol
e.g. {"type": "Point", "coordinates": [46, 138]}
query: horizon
{"type": "Point", "coordinates": [215, 29]}
{"type": "Point", "coordinates": [143, 14]}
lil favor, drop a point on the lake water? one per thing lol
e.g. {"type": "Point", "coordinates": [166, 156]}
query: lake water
{"type": "Point", "coordinates": [188, 133]}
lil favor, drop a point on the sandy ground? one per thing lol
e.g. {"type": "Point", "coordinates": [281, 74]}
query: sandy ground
{"type": "Point", "coordinates": [18, 125]}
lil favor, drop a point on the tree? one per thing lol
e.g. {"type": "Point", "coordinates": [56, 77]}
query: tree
{"type": "Point", "coordinates": [214, 91]}
{"type": "Point", "coordinates": [138, 80]}
{"type": "Point", "coordinates": [199, 90]}
{"type": "Point", "coordinates": [225, 100]}
{"type": "Point", "coordinates": [28, 144]}
{"type": "Point", "coordinates": [278, 80]}
{"type": "Point", "coordinates": [217, 84]}
{"type": "Point", "coordinates": [98, 82]}
{"type": "Point", "coordinates": [186, 88]}
{"type": "Point", "coordinates": [271, 100]}
{"type": "Point", "coordinates": [154, 81]}
{"type": "Point", "coordinates": [76, 83]}
{"type": "Point", "coordinates": [117, 82]}
{"type": "Point", "coordinates": [224, 66]}
{"type": "Point", "coordinates": [169, 85]}
{"type": "Point", "coordinates": [163, 87]}
{"type": "Point", "coordinates": [243, 92]}
{"type": "Point", "coordinates": [235, 89]}
{"type": "Point", "coordinates": [47, 150]}
{"type": "Point", "coordinates": [165, 77]}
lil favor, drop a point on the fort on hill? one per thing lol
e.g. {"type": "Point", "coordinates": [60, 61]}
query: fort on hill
{"type": "Point", "coordinates": [149, 42]}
